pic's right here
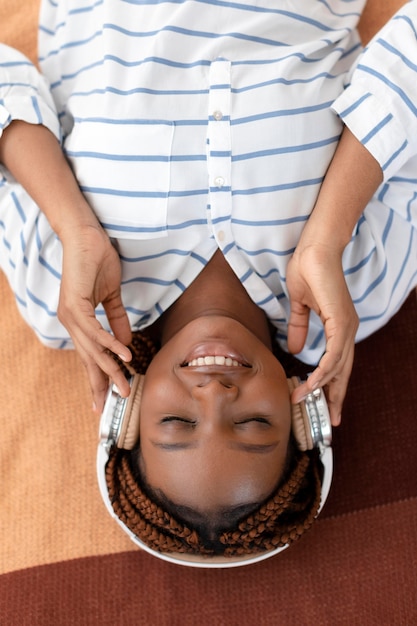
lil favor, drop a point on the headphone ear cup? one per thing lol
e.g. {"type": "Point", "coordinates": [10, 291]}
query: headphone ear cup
{"type": "Point", "coordinates": [301, 427]}
{"type": "Point", "coordinates": [129, 427]}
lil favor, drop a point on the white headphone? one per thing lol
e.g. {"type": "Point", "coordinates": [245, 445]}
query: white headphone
{"type": "Point", "coordinates": [119, 426]}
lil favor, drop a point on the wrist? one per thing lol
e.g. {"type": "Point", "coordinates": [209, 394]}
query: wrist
{"type": "Point", "coordinates": [324, 231]}
{"type": "Point", "coordinates": [77, 226]}
{"type": "Point", "coordinates": [74, 220]}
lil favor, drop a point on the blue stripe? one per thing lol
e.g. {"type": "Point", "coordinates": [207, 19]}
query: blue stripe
{"type": "Point", "coordinates": [270, 273]}
{"type": "Point", "coordinates": [409, 286]}
{"type": "Point", "coordinates": [18, 206]}
{"type": "Point", "coordinates": [272, 251]}
{"type": "Point", "coordinates": [192, 33]}
{"type": "Point", "coordinates": [36, 108]}
{"type": "Point", "coordinates": [262, 303]}
{"type": "Point", "coordinates": [410, 23]}
{"type": "Point", "coordinates": [40, 303]}
{"type": "Point", "coordinates": [377, 128]}
{"type": "Point", "coordinates": [51, 270]}
{"type": "Point", "coordinates": [28, 86]}
{"type": "Point", "coordinates": [274, 188]}
{"type": "Point", "coordinates": [124, 193]}
{"type": "Point", "coordinates": [221, 219]}
{"type": "Point", "coordinates": [153, 229]}
{"type": "Point", "coordinates": [395, 155]}
{"type": "Point", "coordinates": [181, 158]}
{"type": "Point", "coordinates": [400, 92]}
{"type": "Point", "coordinates": [333, 12]}
{"type": "Point", "coordinates": [138, 90]}
{"type": "Point", "coordinates": [396, 52]}
{"type": "Point", "coordinates": [22, 63]}
{"type": "Point", "coordinates": [149, 280]}
{"type": "Point", "coordinates": [283, 113]}
{"type": "Point", "coordinates": [354, 106]}
{"type": "Point", "coordinates": [246, 275]}
{"type": "Point", "coordinates": [158, 61]}
{"type": "Point", "coordinates": [284, 81]}
{"type": "Point", "coordinates": [169, 252]}
{"type": "Point", "coordinates": [142, 194]}
{"type": "Point", "coordinates": [118, 157]}
{"type": "Point", "coordinates": [71, 44]}
{"type": "Point", "coordinates": [286, 149]}
{"type": "Point", "coordinates": [358, 266]}
{"type": "Point", "coordinates": [409, 207]}
{"type": "Point", "coordinates": [254, 8]}
{"type": "Point", "coordinates": [124, 121]}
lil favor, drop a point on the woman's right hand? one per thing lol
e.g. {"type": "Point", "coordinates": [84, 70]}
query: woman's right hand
{"type": "Point", "coordinates": [91, 275]}
{"type": "Point", "coordinates": [91, 272]}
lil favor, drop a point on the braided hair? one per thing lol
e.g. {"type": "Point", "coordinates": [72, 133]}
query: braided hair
{"type": "Point", "coordinates": [167, 527]}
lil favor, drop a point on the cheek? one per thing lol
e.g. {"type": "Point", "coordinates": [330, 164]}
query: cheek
{"type": "Point", "coordinates": [161, 395]}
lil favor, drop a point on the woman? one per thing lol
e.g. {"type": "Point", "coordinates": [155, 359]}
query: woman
{"type": "Point", "coordinates": [202, 136]}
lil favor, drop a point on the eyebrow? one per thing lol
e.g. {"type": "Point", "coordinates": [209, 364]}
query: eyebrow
{"type": "Point", "coordinates": [257, 448]}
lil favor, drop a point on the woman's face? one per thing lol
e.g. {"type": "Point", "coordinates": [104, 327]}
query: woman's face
{"type": "Point", "coordinates": [214, 432]}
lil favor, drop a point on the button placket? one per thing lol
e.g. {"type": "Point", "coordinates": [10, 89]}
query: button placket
{"type": "Point", "coordinates": [219, 150]}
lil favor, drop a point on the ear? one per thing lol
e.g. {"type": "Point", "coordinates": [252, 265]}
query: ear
{"type": "Point", "coordinates": [130, 422]}
{"type": "Point", "coordinates": [301, 426]}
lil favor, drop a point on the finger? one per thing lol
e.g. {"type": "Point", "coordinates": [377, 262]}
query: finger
{"type": "Point", "coordinates": [297, 327]}
{"type": "Point", "coordinates": [99, 384]}
{"type": "Point", "coordinates": [335, 394]}
{"type": "Point", "coordinates": [100, 372]}
{"type": "Point", "coordinates": [97, 353]}
{"type": "Point", "coordinates": [93, 344]}
{"type": "Point", "coordinates": [118, 319]}
{"type": "Point", "coordinates": [87, 332]}
{"type": "Point", "coordinates": [335, 384]}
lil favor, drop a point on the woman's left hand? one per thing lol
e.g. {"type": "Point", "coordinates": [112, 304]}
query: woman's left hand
{"type": "Point", "coordinates": [316, 282]}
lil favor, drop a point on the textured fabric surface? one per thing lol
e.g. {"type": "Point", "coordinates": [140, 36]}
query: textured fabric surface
{"type": "Point", "coordinates": [63, 561]}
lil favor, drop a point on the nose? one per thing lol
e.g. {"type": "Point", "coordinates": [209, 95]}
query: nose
{"type": "Point", "coordinates": [216, 390]}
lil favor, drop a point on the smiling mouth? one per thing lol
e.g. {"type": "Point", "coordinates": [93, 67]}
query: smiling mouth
{"type": "Point", "coordinates": [215, 360]}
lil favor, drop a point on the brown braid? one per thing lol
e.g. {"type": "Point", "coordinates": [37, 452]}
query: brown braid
{"type": "Point", "coordinates": [281, 520]}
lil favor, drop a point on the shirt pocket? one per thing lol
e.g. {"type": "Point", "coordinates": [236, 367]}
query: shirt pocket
{"type": "Point", "coordinates": [123, 169]}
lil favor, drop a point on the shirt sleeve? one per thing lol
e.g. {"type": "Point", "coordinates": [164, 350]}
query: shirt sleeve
{"type": "Point", "coordinates": [24, 93]}
{"type": "Point", "coordinates": [379, 104]}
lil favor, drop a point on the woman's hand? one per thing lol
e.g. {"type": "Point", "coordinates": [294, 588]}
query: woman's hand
{"type": "Point", "coordinates": [92, 275]}
{"type": "Point", "coordinates": [316, 282]}
{"type": "Point", "coordinates": [315, 278]}
{"type": "Point", "coordinates": [91, 266]}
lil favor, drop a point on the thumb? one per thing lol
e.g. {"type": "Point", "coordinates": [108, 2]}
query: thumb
{"type": "Point", "coordinates": [118, 319]}
{"type": "Point", "coordinates": [297, 327]}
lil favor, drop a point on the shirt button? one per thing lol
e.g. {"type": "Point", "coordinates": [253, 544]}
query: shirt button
{"type": "Point", "coordinates": [219, 181]}
{"type": "Point", "coordinates": [218, 115]}
{"type": "Point", "coordinates": [221, 235]}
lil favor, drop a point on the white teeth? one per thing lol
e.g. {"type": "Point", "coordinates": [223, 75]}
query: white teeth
{"type": "Point", "coordinates": [214, 360]}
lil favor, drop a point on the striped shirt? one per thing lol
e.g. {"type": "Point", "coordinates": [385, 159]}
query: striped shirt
{"type": "Point", "coordinates": [197, 125]}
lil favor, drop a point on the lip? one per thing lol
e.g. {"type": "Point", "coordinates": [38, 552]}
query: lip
{"type": "Point", "coordinates": [215, 348]}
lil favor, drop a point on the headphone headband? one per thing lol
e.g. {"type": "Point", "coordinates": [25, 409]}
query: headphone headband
{"type": "Point", "coordinates": [117, 428]}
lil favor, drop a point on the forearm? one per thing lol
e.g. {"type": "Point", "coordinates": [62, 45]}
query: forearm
{"type": "Point", "coordinates": [350, 182]}
{"type": "Point", "coordinates": [35, 158]}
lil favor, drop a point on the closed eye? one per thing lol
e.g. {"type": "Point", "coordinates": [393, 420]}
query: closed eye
{"type": "Point", "coordinates": [260, 420]}
{"type": "Point", "coordinates": [176, 418]}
